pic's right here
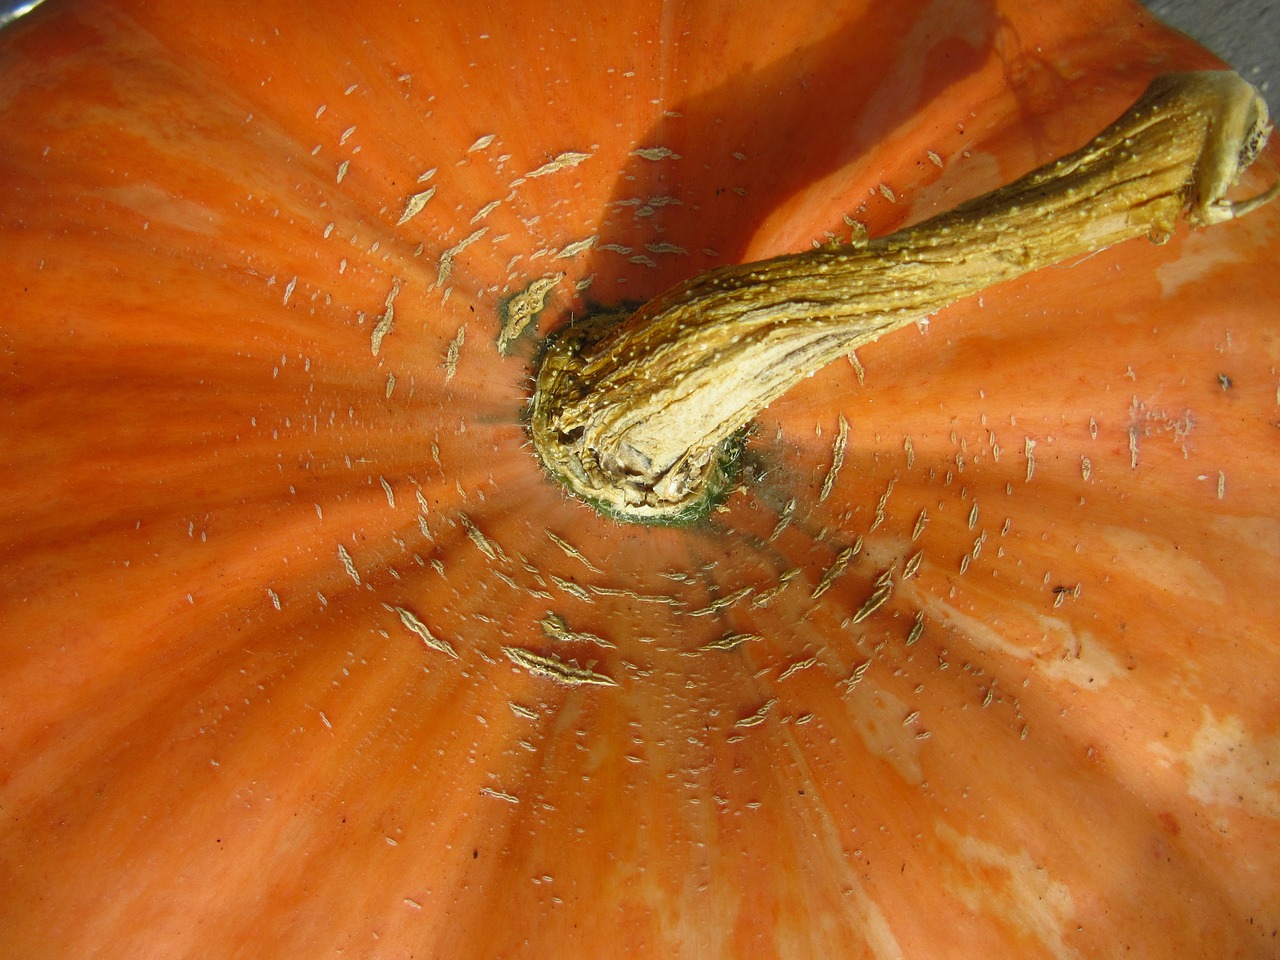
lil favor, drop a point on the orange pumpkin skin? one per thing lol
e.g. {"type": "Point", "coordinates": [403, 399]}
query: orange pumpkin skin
{"type": "Point", "coordinates": [260, 446]}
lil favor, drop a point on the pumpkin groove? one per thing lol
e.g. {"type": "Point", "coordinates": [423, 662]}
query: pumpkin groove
{"type": "Point", "coordinates": [220, 737]}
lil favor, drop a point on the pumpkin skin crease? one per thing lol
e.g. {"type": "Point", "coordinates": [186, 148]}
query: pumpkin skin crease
{"type": "Point", "coordinates": [190, 771]}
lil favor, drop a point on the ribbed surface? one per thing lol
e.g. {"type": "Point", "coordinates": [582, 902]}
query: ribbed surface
{"type": "Point", "coordinates": [1002, 684]}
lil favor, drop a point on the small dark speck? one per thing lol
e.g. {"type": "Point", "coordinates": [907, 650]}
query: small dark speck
{"type": "Point", "coordinates": [1225, 382]}
{"type": "Point", "coordinates": [475, 854]}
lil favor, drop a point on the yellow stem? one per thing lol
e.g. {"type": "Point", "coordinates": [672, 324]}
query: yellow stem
{"type": "Point", "coordinates": [632, 413]}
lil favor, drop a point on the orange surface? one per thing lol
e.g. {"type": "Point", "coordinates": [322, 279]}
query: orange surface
{"type": "Point", "coordinates": [218, 737]}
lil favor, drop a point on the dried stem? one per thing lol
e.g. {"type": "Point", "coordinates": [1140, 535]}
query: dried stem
{"type": "Point", "coordinates": [633, 413]}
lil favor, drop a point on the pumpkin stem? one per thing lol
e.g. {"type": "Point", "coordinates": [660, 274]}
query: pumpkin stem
{"type": "Point", "coordinates": [634, 413]}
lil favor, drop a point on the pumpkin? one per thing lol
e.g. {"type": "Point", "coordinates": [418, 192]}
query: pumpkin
{"type": "Point", "coordinates": [306, 653]}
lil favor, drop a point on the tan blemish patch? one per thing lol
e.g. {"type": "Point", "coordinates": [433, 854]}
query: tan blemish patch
{"type": "Point", "coordinates": [858, 370]}
{"type": "Point", "coordinates": [562, 162]}
{"type": "Point", "coordinates": [445, 268]}
{"type": "Point", "coordinates": [661, 248]}
{"type": "Point", "coordinates": [556, 670]}
{"type": "Point", "coordinates": [387, 320]}
{"type": "Point", "coordinates": [921, 522]}
{"type": "Point", "coordinates": [159, 206]}
{"type": "Point", "coordinates": [880, 594]}
{"type": "Point", "coordinates": [878, 721]}
{"type": "Point", "coordinates": [483, 543]}
{"type": "Point", "coordinates": [348, 564]}
{"type": "Point", "coordinates": [453, 352]}
{"type": "Point", "coordinates": [577, 247]}
{"type": "Point", "coordinates": [837, 458]}
{"type": "Point", "coordinates": [572, 551]}
{"type": "Point", "coordinates": [996, 882]}
{"type": "Point", "coordinates": [557, 628]}
{"type": "Point", "coordinates": [757, 718]}
{"type": "Point", "coordinates": [420, 629]}
{"type": "Point", "coordinates": [731, 641]}
{"type": "Point", "coordinates": [1199, 259]}
{"type": "Point", "coordinates": [833, 572]}
{"type": "Point", "coordinates": [1259, 533]}
{"type": "Point", "coordinates": [1150, 421]}
{"type": "Point", "coordinates": [797, 666]}
{"type": "Point", "coordinates": [1161, 564]}
{"type": "Point", "coordinates": [1076, 656]}
{"type": "Point", "coordinates": [1062, 652]}
{"type": "Point", "coordinates": [484, 211]}
{"type": "Point", "coordinates": [1226, 766]}
{"type": "Point", "coordinates": [413, 206]}
{"type": "Point", "coordinates": [655, 153]}
{"type": "Point", "coordinates": [522, 308]}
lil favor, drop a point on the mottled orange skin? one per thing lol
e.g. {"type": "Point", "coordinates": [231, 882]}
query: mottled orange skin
{"type": "Point", "coordinates": [215, 742]}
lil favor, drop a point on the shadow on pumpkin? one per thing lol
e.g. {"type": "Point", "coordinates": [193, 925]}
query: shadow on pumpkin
{"type": "Point", "coordinates": [703, 181]}
{"type": "Point", "coordinates": [704, 184]}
